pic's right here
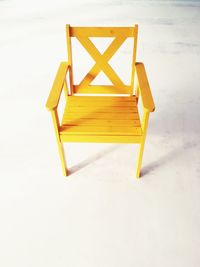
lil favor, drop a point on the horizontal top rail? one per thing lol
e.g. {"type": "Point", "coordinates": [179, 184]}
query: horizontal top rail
{"type": "Point", "coordinates": [103, 31]}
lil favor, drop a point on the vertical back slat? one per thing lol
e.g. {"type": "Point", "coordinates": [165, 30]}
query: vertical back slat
{"type": "Point", "coordinates": [69, 51]}
{"type": "Point", "coordinates": [134, 59]}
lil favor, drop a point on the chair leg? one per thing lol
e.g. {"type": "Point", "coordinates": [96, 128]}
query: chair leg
{"type": "Point", "coordinates": [62, 157]}
{"type": "Point", "coordinates": [141, 149]}
{"type": "Point", "coordinates": [59, 143]}
{"type": "Point", "coordinates": [139, 160]}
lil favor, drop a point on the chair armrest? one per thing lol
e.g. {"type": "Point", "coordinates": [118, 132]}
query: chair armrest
{"type": "Point", "coordinates": [57, 87]}
{"type": "Point", "coordinates": [144, 88]}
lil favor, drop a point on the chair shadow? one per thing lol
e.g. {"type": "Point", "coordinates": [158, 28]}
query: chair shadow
{"type": "Point", "coordinates": [167, 158]}
{"type": "Point", "coordinates": [146, 169]}
{"type": "Point", "coordinates": [91, 159]}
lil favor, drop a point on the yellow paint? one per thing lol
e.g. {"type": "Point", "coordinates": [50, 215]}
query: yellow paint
{"type": "Point", "coordinates": [55, 119]}
{"type": "Point", "coordinates": [101, 139]}
{"type": "Point", "coordinates": [101, 62]}
{"type": "Point", "coordinates": [57, 87]}
{"type": "Point", "coordinates": [69, 53]}
{"type": "Point", "coordinates": [134, 59]}
{"type": "Point", "coordinates": [102, 31]}
{"type": "Point", "coordinates": [144, 88]}
{"type": "Point", "coordinates": [66, 90]}
{"type": "Point", "coordinates": [141, 148]}
{"type": "Point", "coordinates": [101, 119]}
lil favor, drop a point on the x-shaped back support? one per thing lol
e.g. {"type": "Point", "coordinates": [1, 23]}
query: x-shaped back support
{"type": "Point", "coordinates": [101, 61]}
{"type": "Point", "coordinates": [120, 34]}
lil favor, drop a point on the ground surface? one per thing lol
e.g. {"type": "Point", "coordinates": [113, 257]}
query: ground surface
{"type": "Point", "coordinates": [100, 215]}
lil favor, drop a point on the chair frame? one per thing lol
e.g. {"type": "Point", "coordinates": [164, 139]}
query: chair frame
{"type": "Point", "coordinates": [139, 86]}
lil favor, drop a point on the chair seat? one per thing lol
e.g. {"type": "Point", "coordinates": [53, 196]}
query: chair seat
{"type": "Point", "coordinates": [101, 115]}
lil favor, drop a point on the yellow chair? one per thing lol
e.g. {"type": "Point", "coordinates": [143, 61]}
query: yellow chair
{"type": "Point", "coordinates": [101, 113]}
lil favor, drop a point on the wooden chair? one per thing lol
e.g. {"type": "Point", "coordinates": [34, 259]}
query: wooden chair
{"type": "Point", "coordinates": [101, 113]}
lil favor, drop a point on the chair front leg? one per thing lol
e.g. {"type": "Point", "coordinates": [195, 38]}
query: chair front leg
{"type": "Point", "coordinates": [56, 124]}
{"type": "Point", "coordinates": [141, 148]}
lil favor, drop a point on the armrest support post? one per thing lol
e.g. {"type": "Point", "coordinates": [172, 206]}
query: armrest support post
{"type": "Point", "coordinates": [56, 123]}
{"type": "Point", "coordinates": [145, 120]}
{"type": "Point", "coordinates": [65, 88]}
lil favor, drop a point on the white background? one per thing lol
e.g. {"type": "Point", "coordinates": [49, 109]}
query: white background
{"type": "Point", "coordinates": [100, 215]}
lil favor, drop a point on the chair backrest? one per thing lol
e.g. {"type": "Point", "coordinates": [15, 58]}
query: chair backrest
{"type": "Point", "coordinates": [119, 35]}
